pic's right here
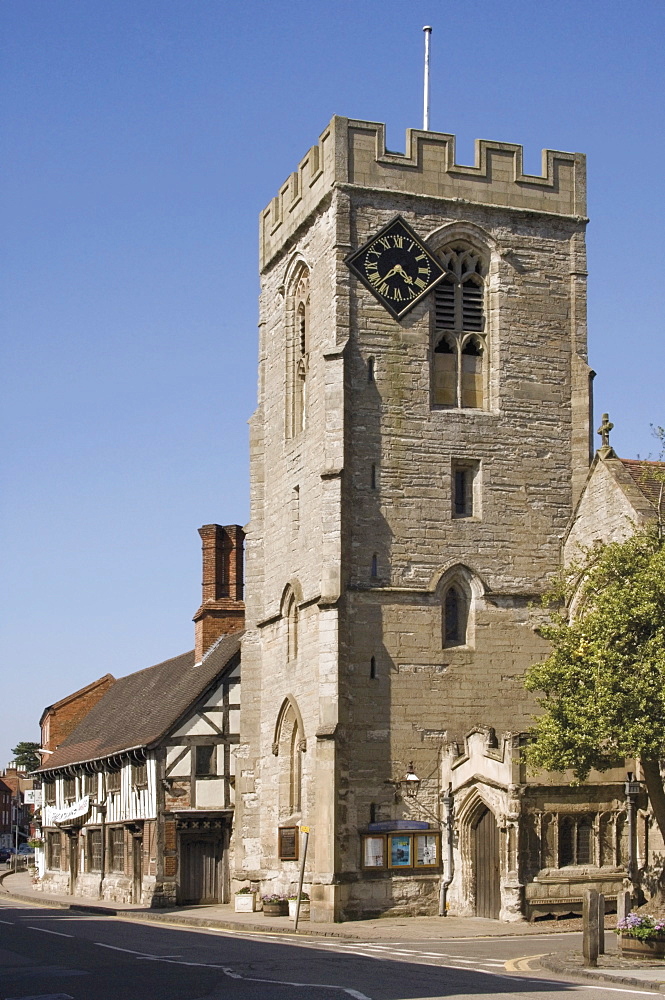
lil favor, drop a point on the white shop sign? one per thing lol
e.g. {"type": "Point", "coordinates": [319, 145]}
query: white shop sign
{"type": "Point", "coordinates": [73, 811]}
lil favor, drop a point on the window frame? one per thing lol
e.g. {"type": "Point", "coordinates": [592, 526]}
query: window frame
{"type": "Point", "coordinates": [211, 749]}
{"type": "Point", "coordinates": [117, 848]}
{"type": "Point", "coordinates": [54, 840]}
{"type": "Point", "coordinates": [114, 781]}
{"type": "Point", "coordinates": [140, 775]}
{"type": "Point", "coordinates": [456, 333]}
{"type": "Point", "coordinates": [95, 850]}
{"type": "Point", "coordinates": [470, 506]}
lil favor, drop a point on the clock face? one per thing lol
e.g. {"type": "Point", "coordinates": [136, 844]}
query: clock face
{"type": "Point", "coordinates": [396, 267]}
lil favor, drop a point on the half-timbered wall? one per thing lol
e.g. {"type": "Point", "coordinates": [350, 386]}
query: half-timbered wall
{"type": "Point", "coordinates": [200, 762]}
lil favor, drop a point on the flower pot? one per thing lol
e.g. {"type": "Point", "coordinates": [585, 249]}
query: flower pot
{"type": "Point", "coordinates": [631, 947]}
{"type": "Point", "coordinates": [245, 902]}
{"type": "Point", "coordinates": [304, 909]}
{"type": "Point", "coordinates": [279, 909]}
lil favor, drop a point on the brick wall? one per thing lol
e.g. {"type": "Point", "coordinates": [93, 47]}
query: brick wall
{"type": "Point", "coordinates": [59, 720]}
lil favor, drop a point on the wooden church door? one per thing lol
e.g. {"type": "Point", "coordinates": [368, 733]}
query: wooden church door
{"type": "Point", "coordinates": [486, 866]}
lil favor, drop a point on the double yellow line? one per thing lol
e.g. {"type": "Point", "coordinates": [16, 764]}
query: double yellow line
{"type": "Point", "coordinates": [522, 964]}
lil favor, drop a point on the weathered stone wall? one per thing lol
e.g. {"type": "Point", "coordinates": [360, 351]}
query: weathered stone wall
{"type": "Point", "coordinates": [609, 510]}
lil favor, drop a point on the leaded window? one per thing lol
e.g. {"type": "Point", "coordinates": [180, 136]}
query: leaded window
{"type": "Point", "coordinates": [117, 849]}
{"type": "Point", "coordinates": [94, 852]}
{"type": "Point", "coordinates": [455, 616]}
{"type": "Point", "coordinates": [54, 850]}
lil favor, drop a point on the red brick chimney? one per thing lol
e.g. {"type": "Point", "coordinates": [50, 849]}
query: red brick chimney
{"type": "Point", "coordinates": [222, 609]}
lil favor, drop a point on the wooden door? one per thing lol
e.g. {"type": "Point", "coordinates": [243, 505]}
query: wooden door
{"type": "Point", "coordinates": [199, 869]}
{"type": "Point", "coordinates": [137, 868]}
{"type": "Point", "coordinates": [486, 866]}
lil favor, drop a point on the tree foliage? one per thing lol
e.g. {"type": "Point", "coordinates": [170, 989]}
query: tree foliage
{"type": "Point", "coordinates": [26, 756]}
{"type": "Point", "coordinates": [603, 683]}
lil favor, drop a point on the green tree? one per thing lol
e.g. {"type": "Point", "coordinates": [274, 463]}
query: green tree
{"type": "Point", "coordinates": [26, 756]}
{"type": "Point", "coordinates": [603, 683]}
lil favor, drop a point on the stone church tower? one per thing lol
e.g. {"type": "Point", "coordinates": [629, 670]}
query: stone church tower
{"type": "Point", "coordinates": [411, 480]}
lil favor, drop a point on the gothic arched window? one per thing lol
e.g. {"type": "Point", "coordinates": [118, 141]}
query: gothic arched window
{"type": "Point", "coordinates": [298, 354]}
{"type": "Point", "coordinates": [458, 357]}
{"type": "Point", "coordinates": [455, 616]}
{"type": "Point", "coordinates": [291, 615]}
{"type": "Point", "coordinates": [289, 747]}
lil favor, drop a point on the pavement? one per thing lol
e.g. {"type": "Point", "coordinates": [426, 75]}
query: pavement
{"type": "Point", "coordinates": [612, 968]}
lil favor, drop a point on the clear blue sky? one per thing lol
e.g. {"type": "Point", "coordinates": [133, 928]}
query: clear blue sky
{"type": "Point", "coordinates": [140, 139]}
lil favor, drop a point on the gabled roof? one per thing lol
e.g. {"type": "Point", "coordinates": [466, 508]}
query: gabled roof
{"type": "Point", "coordinates": [76, 694]}
{"type": "Point", "coordinates": [642, 474]}
{"type": "Point", "coordinates": [138, 710]}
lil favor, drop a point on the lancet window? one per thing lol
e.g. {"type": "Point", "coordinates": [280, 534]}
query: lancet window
{"type": "Point", "coordinates": [460, 338]}
{"type": "Point", "coordinates": [455, 616]}
{"type": "Point", "coordinates": [298, 354]}
{"type": "Point", "coordinates": [291, 614]}
{"type": "Point", "coordinates": [289, 747]}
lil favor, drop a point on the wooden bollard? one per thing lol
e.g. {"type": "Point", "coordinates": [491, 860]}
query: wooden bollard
{"type": "Point", "coordinates": [590, 928]}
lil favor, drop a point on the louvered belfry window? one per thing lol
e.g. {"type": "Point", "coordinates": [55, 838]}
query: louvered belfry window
{"type": "Point", "coordinates": [458, 369]}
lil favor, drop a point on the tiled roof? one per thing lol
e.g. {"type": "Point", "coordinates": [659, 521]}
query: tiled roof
{"type": "Point", "coordinates": [141, 708]}
{"type": "Point", "coordinates": [642, 474]}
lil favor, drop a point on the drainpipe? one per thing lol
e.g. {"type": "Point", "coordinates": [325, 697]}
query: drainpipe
{"type": "Point", "coordinates": [449, 803]}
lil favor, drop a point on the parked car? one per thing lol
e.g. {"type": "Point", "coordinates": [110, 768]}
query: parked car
{"type": "Point", "coordinates": [25, 851]}
{"type": "Point", "coordinates": [6, 853]}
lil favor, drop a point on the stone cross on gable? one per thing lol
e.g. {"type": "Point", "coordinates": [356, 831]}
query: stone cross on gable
{"type": "Point", "coordinates": [604, 431]}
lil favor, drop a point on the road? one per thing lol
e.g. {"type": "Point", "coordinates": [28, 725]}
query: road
{"type": "Point", "coordinates": [48, 954]}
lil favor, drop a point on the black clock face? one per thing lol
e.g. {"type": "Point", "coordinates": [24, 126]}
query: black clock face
{"type": "Point", "coordinates": [396, 267]}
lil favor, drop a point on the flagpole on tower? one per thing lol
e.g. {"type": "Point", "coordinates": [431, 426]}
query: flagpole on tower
{"type": "Point", "coordinates": [428, 33]}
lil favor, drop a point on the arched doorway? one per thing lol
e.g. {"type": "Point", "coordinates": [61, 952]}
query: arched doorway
{"type": "Point", "coordinates": [486, 866]}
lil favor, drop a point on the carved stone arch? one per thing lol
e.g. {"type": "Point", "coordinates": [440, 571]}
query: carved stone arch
{"type": "Point", "coordinates": [472, 807]}
{"type": "Point", "coordinates": [292, 588]}
{"type": "Point", "coordinates": [459, 591]}
{"type": "Point", "coordinates": [464, 232]}
{"type": "Point", "coordinates": [290, 612]}
{"type": "Point", "coordinates": [288, 746]}
{"type": "Point", "coordinates": [296, 343]}
{"type": "Point", "coordinates": [288, 703]}
{"type": "Point", "coordinates": [296, 265]}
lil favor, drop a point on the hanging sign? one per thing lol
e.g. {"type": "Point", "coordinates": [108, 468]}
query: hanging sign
{"type": "Point", "coordinates": [72, 811]}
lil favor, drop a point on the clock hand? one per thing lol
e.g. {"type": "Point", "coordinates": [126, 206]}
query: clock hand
{"type": "Point", "coordinates": [393, 270]}
{"type": "Point", "coordinates": [400, 270]}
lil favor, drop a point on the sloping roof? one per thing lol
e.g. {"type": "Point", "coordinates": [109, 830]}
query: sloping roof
{"type": "Point", "coordinates": [141, 708]}
{"type": "Point", "coordinates": [642, 474]}
{"type": "Point", "coordinates": [76, 694]}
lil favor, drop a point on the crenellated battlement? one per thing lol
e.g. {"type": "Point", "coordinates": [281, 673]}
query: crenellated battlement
{"type": "Point", "coordinates": [351, 152]}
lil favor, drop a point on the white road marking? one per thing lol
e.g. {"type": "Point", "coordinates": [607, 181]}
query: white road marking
{"type": "Point", "coordinates": [45, 996]}
{"type": "Point", "coordinates": [128, 951]}
{"type": "Point", "coordinates": [10, 922]}
{"type": "Point", "coordinates": [151, 958]}
{"type": "Point", "coordinates": [580, 986]}
{"type": "Point", "coordinates": [236, 975]}
{"type": "Point", "coordinates": [612, 989]}
{"type": "Point", "coordinates": [45, 931]}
